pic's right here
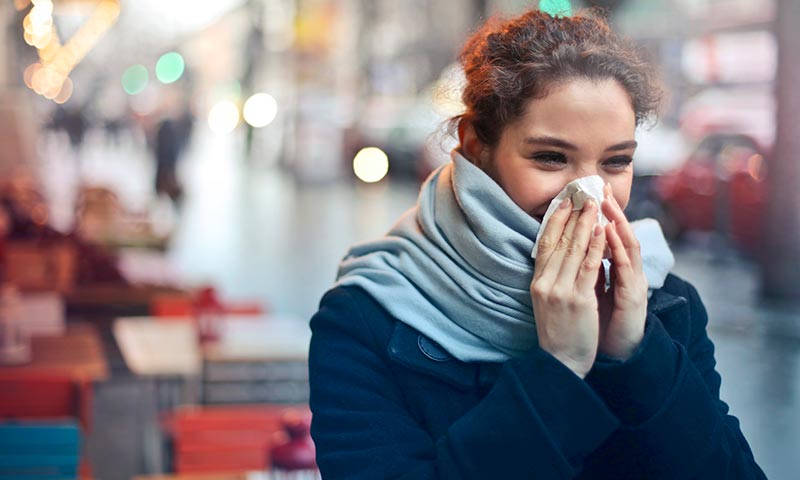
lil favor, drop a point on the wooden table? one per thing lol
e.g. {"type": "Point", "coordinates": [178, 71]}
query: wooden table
{"type": "Point", "coordinates": [155, 348]}
{"type": "Point", "coordinates": [77, 355]}
{"type": "Point", "coordinates": [252, 350]}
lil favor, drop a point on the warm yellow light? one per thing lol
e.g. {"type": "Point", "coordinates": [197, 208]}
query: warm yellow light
{"type": "Point", "coordinates": [223, 117]}
{"type": "Point", "coordinates": [39, 80]}
{"type": "Point", "coordinates": [49, 77]}
{"type": "Point", "coordinates": [65, 93]}
{"type": "Point", "coordinates": [371, 164]}
{"type": "Point", "coordinates": [54, 86]}
{"type": "Point", "coordinates": [755, 167]}
{"type": "Point", "coordinates": [42, 13]}
{"type": "Point", "coordinates": [46, 80]}
{"type": "Point", "coordinates": [42, 40]}
{"type": "Point", "coordinates": [29, 72]}
{"type": "Point", "coordinates": [260, 110]}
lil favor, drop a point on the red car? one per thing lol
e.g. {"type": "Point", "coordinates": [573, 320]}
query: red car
{"type": "Point", "coordinates": [720, 188]}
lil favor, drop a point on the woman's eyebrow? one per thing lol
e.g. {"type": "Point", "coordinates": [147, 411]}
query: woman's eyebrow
{"type": "Point", "coordinates": [557, 142]}
{"type": "Point", "coordinates": [552, 141]}
{"type": "Point", "coordinates": [622, 146]}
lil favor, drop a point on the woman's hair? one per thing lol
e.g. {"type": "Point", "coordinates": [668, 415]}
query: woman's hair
{"type": "Point", "coordinates": [507, 63]}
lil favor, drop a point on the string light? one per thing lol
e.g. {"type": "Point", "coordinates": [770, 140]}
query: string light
{"type": "Point", "coordinates": [50, 76]}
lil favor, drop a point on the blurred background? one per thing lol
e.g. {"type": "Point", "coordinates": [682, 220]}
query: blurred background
{"type": "Point", "coordinates": [180, 179]}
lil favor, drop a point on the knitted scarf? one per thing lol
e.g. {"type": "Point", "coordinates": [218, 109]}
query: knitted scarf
{"type": "Point", "coordinates": [457, 267]}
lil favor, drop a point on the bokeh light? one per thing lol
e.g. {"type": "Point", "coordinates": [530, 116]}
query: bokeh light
{"type": "Point", "coordinates": [65, 93]}
{"type": "Point", "coordinates": [223, 117]}
{"type": "Point", "coordinates": [170, 67]}
{"type": "Point", "coordinates": [371, 164]}
{"type": "Point", "coordinates": [755, 167]}
{"type": "Point", "coordinates": [29, 72]}
{"type": "Point", "coordinates": [260, 110]}
{"type": "Point", "coordinates": [135, 79]}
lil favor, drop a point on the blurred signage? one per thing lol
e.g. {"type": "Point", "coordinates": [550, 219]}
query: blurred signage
{"type": "Point", "coordinates": [740, 12]}
{"type": "Point", "coordinates": [742, 57]}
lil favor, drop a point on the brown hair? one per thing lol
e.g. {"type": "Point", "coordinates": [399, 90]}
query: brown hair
{"type": "Point", "coordinates": [506, 63]}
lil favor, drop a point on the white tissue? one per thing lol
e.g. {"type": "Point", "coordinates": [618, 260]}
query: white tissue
{"type": "Point", "coordinates": [657, 258]}
{"type": "Point", "coordinates": [579, 191]}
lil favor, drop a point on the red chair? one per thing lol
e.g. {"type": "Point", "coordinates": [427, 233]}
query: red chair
{"type": "Point", "coordinates": [45, 397]}
{"type": "Point", "coordinates": [225, 439]}
{"type": "Point", "coordinates": [49, 398]}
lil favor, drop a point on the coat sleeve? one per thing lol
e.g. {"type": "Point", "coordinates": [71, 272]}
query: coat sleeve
{"type": "Point", "coordinates": [674, 425]}
{"type": "Point", "coordinates": [539, 420]}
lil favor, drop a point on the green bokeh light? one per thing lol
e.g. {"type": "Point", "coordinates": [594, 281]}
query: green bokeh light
{"type": "Point", "coordinates": [134, 80]}
{"type": "Point", "coordinates": [169, 67]}
{"type": "Point", "coordinates": [556, 8]}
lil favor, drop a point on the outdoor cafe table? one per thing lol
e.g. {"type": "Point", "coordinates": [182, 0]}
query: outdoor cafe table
{"type": "Point", "coordinates": [167, 346]}
{"type": "Point", "coordinates": [165, 351]}
{"type": "Point", "coordinates": [77, 355]}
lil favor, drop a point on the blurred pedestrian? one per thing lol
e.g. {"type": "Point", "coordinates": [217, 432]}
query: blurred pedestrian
{"type": "Point", "coordinates": [445, 351]}
{"type": "Point", "coordinates": [76, 125]}
{"type": "Point", "coordinates": [170, 141]}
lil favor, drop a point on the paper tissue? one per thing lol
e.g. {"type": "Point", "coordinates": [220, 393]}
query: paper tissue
{"type": "Point", "coordinates": [579, 191]}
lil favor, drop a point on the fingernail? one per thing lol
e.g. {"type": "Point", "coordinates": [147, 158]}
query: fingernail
{"type": "Point", "coordinates": [588, 204]}
{"type": "Point", "coordinates": [566, 203]}
{"type": "Point", "coordinates": [597, 230]}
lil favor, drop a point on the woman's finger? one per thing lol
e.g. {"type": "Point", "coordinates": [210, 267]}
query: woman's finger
{"type": "Point", "coordinates": [551, 235]}
{"type": "Point", "coordinates": [576, 244]}
{"type": "Point", "coordinates": [587, 276]}
{"type": "Point", "coordinates": [613, 212]}
{"type": "Point", "coordinates": [621, 266]}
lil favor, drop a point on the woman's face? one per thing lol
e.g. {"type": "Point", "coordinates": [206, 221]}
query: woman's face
{"type": "Point", "coordinates": [581, 128]}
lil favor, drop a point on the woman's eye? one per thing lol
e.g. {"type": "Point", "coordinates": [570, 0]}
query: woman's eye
{"type": "Point", "coordinates": [618, 162]}
{"type": "Point", "coordinates": [550, 158]}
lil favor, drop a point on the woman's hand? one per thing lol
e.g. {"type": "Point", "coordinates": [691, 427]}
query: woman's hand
{"type": "Point", "coordinates": [562, 290]}
{"type": "Point", "coordinates": [623, 308]}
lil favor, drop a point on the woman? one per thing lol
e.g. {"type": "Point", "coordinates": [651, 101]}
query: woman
{"type": "Point", "coordinates": [445, 351]}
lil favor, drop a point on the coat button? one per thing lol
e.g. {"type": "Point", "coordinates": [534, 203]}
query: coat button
{"type": "Point", "coordinates": [432, 350]}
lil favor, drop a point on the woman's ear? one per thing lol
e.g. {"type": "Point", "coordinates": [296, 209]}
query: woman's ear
{"type": "Point", "coordinates": [476, 151]}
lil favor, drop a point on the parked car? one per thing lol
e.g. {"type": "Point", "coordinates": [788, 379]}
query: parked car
{"type": "Point", "coordinates": [719, 188]}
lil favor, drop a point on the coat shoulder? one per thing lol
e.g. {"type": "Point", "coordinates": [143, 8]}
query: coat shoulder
{"type": "Point", "coordinates": [354, 311]}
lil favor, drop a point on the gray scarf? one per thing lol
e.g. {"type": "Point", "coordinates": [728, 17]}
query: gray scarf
{"type": "Point", "coordinates": [458, 267]}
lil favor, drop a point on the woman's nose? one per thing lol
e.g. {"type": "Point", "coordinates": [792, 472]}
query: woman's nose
{"type": "Point", "coordinates": [584, 172]}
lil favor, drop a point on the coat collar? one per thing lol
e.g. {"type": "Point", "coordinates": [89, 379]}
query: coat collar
{"type": "Point", "coordinates": [412, 350]}
{"type": "Point", "coordinates": [662, 301]}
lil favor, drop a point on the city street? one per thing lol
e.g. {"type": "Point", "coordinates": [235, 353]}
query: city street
{"type": "Point", "coordinates": [262, 235]}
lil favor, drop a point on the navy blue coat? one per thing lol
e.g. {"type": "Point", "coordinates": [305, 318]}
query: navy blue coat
{"type": "Point", "coordinates": [388, 402]}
